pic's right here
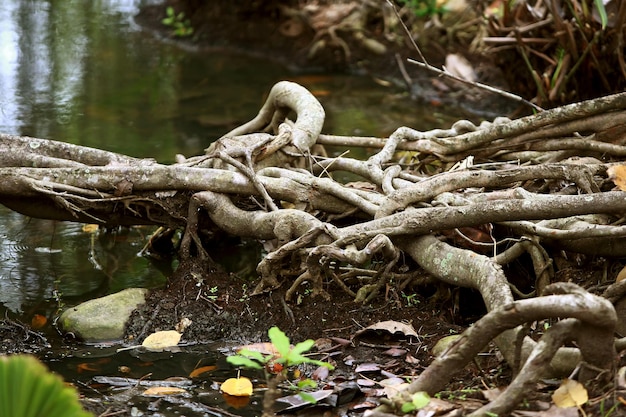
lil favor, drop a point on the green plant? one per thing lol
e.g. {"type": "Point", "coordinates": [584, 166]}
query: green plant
{"type": "Point", "coordinates": [181, 26]}
{"type": "Point", "coordinates": [411, 299]}
{"type": "Point", "coordinates": [418, 400]}
{"type": "Point", "coordinates": [286, 356]}
{"type": "Point", "coordinates": [29, 389]}
{"type": "Point", "coordinates": [610, 411]}
{"type": "Point", "coordinates": [423, 8]}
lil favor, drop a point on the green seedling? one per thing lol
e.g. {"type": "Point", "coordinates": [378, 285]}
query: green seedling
{"type": "Point", "coordinates": [181, 26]}
{"type": "Point", "coordinates": [287, 356]}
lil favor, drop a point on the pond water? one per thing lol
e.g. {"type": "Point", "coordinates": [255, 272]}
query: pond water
{"type": "Point", "coordinates": [85, 73]}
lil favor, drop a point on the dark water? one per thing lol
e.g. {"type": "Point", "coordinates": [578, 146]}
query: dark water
{"type": "Point", "coordinates": [85, 73]}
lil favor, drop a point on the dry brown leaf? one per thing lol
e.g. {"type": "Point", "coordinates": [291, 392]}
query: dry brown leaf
{"type": "Point", "coordinates": [570, 394]}
{"type": "Point", "coordinates": [203, 369]}
{"type": "Point", "coordinates": [158, 341]}
{"type": "Point", "coordinates": [264, 348]}
{"type": "Point", "coordinates": [617, 174]}
{"type": "Point", "coordinates": [390, 326]}
{"type": "Point", "coordinates": [163, 391]}
{"type": "Point", "coordinates": [622, 275]}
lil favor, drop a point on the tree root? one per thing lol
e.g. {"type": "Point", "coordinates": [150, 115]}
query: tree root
{"type": "Point", "coordinates": [591, 323]}
{"type": "Point", "coordinates": [569, 204]}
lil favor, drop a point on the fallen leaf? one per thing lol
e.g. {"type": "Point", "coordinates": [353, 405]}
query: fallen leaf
{"type": "Point", "coordinates": [617, 174]}
{"type": "Point", "coordinates": [393, 386]}
{"type": "Point", "coordinates": [297, 401]}
{"type": "Point", "coordinates": [158, 341]}
{"type": "Point", "coordinates": [163, 391]}
{"type": "Point", "coordinates": [459, 66]}
{"type": "Point", "coordinates": [86, 367]}
{"type": "Point", "coordinates": [182, 325]}
{"type": "Point", "coordinates": [264, 348]}
{"type": "Point", "coordinates": [90, 228]}
{"type": "Point", "coordinates": [394, 352]}
{"type": "Point", "coordinates": [320, 374]}
{"type": "Point", "coordinates": [365, 382]}
{"type": "Point", "coordinates": [202, 370]}
{"type": "Point", "coordinates": [411, 359]}
{"type": "Point", "coordinates": [570, 394]}
{"type": "Point", "coordinates": [390, 326]}
{"type": "Point", "coordinates": [367, 367]}
{"type": "Point", "coordinates": [238, 387]}
{"type": "Point", "coordinates": [38, 321]}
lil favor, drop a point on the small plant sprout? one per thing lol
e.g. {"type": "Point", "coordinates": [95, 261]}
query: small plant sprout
{"type": "Point", "coordinates": [286, 354]}
{"type": "Point", "coordinates": [181, 26]}
{"type": "Point", "coordinates": [276, 364]}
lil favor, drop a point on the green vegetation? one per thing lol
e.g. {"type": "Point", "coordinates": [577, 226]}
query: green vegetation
{"type": "Point", "coordinates": [423, 8]}
{"type": "Point", "coordinates": [286, 356]}
{"type": "Point", "coordinates": [418, 400]}
{"type": "Point", "coordinates": [29, 389]}
{"type": "Point", "coordinates": [181, 27]}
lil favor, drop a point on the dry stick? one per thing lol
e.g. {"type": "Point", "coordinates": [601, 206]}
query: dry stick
{"type": "Point", "coordinates": [489, 88]}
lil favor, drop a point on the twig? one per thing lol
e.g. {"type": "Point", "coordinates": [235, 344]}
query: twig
{"type": "Point", "coordinates": [503, 93]}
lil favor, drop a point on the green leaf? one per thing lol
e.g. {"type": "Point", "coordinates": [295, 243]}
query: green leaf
{"type": "Point", "coordinates": [293, 359]}
{"type": "Point", "coordinates": [602, 11]}
{"type": "Point", "coordinates": [28, 389]}
{"type": "Point", "coordinates": [280, 341]}
{"type": "Point", "coordinates": [303, 347]}
{"type": "Point", "coordinates": [420, 399]}
{"type": "Point", "coordinates": [407, 408]}
{"type": "Point", "coordinates": [241, 361]}
{"type": "Point", "coordinates": [307, 397]}
{"type": "Point", "coordinates": [307, 383]}
{"type": "Point", "coordinates": [253, 354]}
{"type": "Point", "coordinates": [320, 363]}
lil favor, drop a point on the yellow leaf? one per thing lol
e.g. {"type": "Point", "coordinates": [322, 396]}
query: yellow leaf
{"type": "Point", "coordinates": [617, 174]}
{"type": "Point", "coordinates": [162, 391]}
{"type": "Point", "coordinates": [570, 394]}
{"type": "Point", "coordinates": [161, 340]}
{"type": "Point", "coordinates": [90, 228]}
{"type": "Point", "coordinates": [238, 387]}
